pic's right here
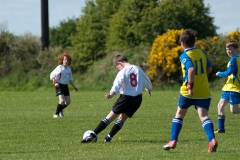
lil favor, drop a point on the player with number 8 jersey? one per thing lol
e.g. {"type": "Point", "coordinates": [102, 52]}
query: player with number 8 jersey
{"type": "Point", "coordinates": [130, 83]}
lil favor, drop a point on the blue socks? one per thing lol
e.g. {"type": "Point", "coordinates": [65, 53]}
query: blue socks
{"type": "Point", "coordinates": [176, 128]}
{"type": "Point", "coordinates": [208, 128]}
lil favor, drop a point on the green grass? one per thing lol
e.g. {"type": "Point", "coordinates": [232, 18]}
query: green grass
{"type": "Point", "coordinates": [28, 130]}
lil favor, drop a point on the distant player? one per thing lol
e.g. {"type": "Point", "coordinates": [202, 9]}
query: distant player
{"type": "Point", "coordinates": [61, 76]}
{"type": "Point", "coordinates": [231, 89]}
{"type": "Point", "coordinates": [194, 90]}
{"type": "Point", "coordinates": [130, 82]}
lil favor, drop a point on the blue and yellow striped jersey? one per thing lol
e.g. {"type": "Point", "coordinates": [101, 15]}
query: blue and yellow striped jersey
{"type": "Point", "coordinates": [233, 73]}
{"type": "Point", "coordinates": [196, 58]}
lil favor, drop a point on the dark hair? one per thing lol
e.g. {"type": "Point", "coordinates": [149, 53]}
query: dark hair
{"type": "Point", "coordinates": [188, 37]}
{"type": "Point", "coordinates": [61, 57]}
{"type": "Point", "coordinates": [120, 58]}
{"type": "Point", "coordinates": [232, 44]}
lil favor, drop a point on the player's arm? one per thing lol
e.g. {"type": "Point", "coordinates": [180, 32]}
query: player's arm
{"type": "Point", "coordinates": [116, 85]}
{"type": "Point", "coordinates": [73, 85]}
{"type": "Point", "coordinates": [191, 74]}
{"type": "Point", "coordinates": [147, 83]}
{"type": "Point", "coordinates": [231, 69]}
{"type": "Point", "coordinates": [53, 76]}
{"type": "Point", "coordinates": [187, 62]}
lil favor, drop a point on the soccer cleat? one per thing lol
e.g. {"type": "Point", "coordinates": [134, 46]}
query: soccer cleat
{"type": "Point", "coordinates": [219, 131]}
{"type": "Point", "coordinates": [88, 138]}
{"type": "Point", "coordinates": [55, 116]}
{"type": "Point", "coordinates": [61, 114]}
{"type": "Point", "coordinates": [170, 145]}
{"type": "Point", "coordinates": [107, 139]}
{"type": "Point", "coordinates": [212, 146]}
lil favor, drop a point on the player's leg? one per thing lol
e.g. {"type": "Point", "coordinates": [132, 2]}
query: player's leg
{"type": "Point", "coordinates": [127, 106]}
{"type": "Point", "coordinates": [202, 106]}
{"type": "Point", "coordinates": [59, 105]}
{"type": "Point", "coordinates": [105, 122]}
{"type": "Point", "coordinates": [206, 122]}
{"type": "Point", "coordinates": [100, 127]}
{"type": "Point", "coordinates": [177, 121]}
{"type": "Point", "coordinates": [176, 128]}
{"type": "Point", "coordinates": [67, 100]}
{"type": "Point", "coordinates": [221, 112]}
{"type": "Point", "coordinates": [117, 126]}
{"type": "Point", "coordinates": [234, 100]}
{"type": "Point", "coordinates": [66, 103]}
{"type": "Point", "coordinates": [234, 109]}
{"type": "Point", "coordinates": [208, 128]}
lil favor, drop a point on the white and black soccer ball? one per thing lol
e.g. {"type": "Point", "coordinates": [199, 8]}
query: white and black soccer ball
{"type": "Point", "coordinates": [87, 133]}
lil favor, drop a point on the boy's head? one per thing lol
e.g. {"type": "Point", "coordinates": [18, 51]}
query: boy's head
{"type": "Point", "coordinates": [187, 38]}
{"type": "Point", "coordinates": [119, 59]}
{"type": "Point", "coordinates": [231, 48]}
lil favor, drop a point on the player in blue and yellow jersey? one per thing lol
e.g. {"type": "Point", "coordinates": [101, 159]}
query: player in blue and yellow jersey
{"type": "Point", "coordinates": [194, 90]}
{"type": "Point", "coordinates": [231, 89]}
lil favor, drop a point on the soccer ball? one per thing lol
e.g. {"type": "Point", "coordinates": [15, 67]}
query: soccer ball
{"type": "Point", "coordinates": [87, 133]}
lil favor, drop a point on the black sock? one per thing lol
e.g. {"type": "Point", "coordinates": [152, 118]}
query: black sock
{"type": "Point", "coordinates": [102, 125]}
{"type": "Point", "coordinates": [118, 125]}
{"type": "Point", "coordinates": [64, 106]}
{"type": "Point", "coordinates": [59, 108]}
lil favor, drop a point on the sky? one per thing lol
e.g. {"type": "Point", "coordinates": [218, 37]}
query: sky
{"type": "Point", "coordinates": [24, 16]}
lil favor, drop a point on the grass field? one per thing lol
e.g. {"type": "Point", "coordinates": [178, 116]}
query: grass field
{"type": "Point", "coordinates": [28, 130]}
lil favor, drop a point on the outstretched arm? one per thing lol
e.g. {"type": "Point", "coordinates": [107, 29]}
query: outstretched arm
{"type": "Point", "coordinates": [73, 85]}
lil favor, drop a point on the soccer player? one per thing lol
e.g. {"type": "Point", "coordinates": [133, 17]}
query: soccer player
{"type": "Point", "coordinates": [231, 89]}
{"type": "Point", "coordinates": [130, 82]}
{"type": "Point", "coordinates": [194, 90]}
{"type": "Point", "coordinates": [61, 76]}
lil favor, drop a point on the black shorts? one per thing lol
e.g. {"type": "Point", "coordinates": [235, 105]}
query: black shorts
{"type": "Point", "coordinates": [62, 89]}
{"type": "Point", "coordinates": [127, 104]}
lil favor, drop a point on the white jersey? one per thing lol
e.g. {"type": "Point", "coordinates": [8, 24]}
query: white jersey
{"type": "Point", "coordinates": [131, 81]}
{"type": "Point", "coordinates": [61, 74]}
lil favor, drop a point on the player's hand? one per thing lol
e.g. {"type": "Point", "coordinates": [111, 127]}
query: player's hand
{"type": "Point", "coordinates": [190, 92]}
{"type": "Point", "coordinates": [109, 95]}
{"type": "Point", "coordinates": [190, 88]}
{"type": "Point", "coordinates": [217, 74]}
{"type": "Point", "coordinates": [76, 89]}
{"type": "Point", "coordinates": [56, 85]}
{"type": "Point", "coordinates": [149, 92]}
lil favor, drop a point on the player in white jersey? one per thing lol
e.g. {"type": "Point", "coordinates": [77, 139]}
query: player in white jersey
{"type": "Point", "coordinates": [129, 82]}
{"type": "Point", "coordinates": [61, 76]}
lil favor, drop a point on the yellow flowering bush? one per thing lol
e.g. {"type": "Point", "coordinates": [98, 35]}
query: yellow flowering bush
{"type": "Point", "coordinates": [163, 59]}
{"type": "Point", "coordinates": [234, 35]}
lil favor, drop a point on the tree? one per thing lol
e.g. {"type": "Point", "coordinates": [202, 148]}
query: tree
{"type": "Point", "coordinates": [183, 14]}
{"type": "Point", "coordinates": [59, 35]}
{"type": "Point", "coordinates": [92, 29]}
{"type": "Point", "coordinates": [119, 25]}
{"type": "Point", "coordinates": [132, 25]}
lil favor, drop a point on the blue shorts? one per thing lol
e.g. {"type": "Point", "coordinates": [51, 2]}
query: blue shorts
{"type": "Point", "coordinates": [184, 102]}
{"type": "Point", "coordinates": [231, 97]}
